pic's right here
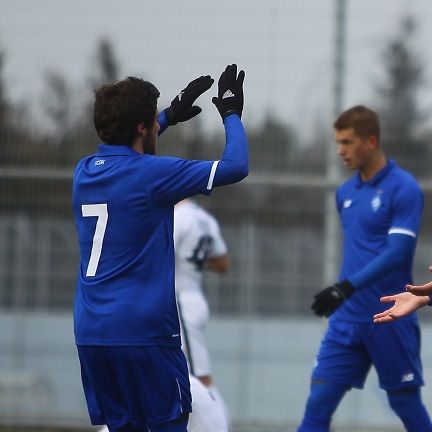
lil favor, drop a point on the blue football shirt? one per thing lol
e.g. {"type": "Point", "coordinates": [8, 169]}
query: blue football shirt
{"type": "Point", "coordinates": [391, 203]}
{"type": "Point", "coordinates": [123, 207]}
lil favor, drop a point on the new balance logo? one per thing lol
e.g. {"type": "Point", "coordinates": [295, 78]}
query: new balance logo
{"type": "Point", "coordinates": [228, 94]}
{"type": "Point", "coordinates": [407, 377]}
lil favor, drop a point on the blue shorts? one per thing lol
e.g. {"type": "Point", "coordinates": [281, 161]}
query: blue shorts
{"type": "Point", "coordinates": [134, 386]}
{"type": "Point", "coordinates": [349, 349]}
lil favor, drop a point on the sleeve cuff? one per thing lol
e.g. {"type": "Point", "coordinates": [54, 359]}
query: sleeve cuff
{"type": "Point", "coordinates": [163, 122]}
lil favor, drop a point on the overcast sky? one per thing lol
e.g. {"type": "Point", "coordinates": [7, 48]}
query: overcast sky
{"type": "Point", "coordinates": [284, 46]}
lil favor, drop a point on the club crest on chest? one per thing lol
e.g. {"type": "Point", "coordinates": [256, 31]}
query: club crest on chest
{"type": "Point", "coordinates": [376, 201]}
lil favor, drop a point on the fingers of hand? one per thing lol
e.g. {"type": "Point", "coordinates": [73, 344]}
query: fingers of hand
{"type": "Point", "coordinates": [240, 78]}
{"type": "Point", "coordinates": [198, 87]}
{"type": "Point", "coordinates": [387, 299]}
{"type": "Point", "coordinates": [385, 316]}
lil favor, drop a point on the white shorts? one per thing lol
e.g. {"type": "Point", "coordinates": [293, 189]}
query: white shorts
{"type": "Point", "coordinates": [194, 314]}
{"type": "Point", "coordinates": [207, 415]}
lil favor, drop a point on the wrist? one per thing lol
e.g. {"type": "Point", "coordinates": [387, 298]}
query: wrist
{"type": "Point", "coordinates": [230, 117]}
{"type": "Point", "coordinates": [346, 287]}
{"type": "Point", "coordinates": [229, 113]}
{"type": "Point", "coordinates": [170, 116]}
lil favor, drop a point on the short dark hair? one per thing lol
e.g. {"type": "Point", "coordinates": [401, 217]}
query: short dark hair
{"type": "Point", "coordinates": [363, 120]}
{"type": "Point", "coordinates": [120, 107]}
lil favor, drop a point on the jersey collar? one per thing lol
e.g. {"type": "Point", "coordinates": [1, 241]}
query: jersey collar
{"type": "Point", "coordinates": [378, 176]}
{"type": "Point", "coordinates": [117, 150]}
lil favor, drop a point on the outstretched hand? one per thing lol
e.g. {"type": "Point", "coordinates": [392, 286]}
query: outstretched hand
{"type": "Point", "coordinates": [182, 107]}
{"type": "Point", "coordinates": [420, 290]}
{"type": "Point", "coordinates": [404, 304]}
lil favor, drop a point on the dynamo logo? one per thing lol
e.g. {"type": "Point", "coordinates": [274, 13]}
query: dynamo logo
{"type": "Point", "coordinates": [376, 201]}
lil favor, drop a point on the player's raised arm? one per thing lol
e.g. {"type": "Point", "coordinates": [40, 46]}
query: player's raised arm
{"type": "Point", "coordinates": [234, 165]}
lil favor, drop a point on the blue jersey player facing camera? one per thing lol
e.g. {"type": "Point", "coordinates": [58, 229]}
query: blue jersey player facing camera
{"type": "Point", "coordinates": [380, 209]}
{"type": "Point", "coordinates": [134, 374]}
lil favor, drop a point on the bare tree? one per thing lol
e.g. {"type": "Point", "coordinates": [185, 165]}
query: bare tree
{"type": "Point", "coordinates": [57, 102]}
{"type": "Point", "coordinates": [404, 133]}
{"type": "Point", "coordinates": [107, 65]}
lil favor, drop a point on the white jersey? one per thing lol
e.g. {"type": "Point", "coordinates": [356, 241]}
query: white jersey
{"type": "Point", "coordinates": [197, 237]}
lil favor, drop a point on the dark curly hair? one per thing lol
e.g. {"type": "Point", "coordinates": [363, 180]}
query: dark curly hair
{"type": "Point", "coordinates": [120, 107]}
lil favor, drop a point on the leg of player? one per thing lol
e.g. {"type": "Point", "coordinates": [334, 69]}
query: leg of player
{"type": "Point", "coordinates": [323, 400]}
{"type": "Point", "coordinates": [408, 406]}
{"type": "Point", "coordinates": [208, 382]}
{"type": "Point", "coordinates": [207, 415]}
{"type": "Point", "coordinates": [217, 397]}
{"type": "Point", "coordinates": [193, 314]}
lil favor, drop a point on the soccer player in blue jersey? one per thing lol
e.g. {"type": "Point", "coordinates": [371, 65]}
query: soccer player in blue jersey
{"type": "Point", "coordinates": [134, 373]}
{"type": "Point", "coordinates": [380, 210]}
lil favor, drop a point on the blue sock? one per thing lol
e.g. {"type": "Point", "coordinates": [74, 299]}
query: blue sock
{"type": "Point", "coordinates": [323, 400]}
{"type": "Point", "coordinates": [408, 405]}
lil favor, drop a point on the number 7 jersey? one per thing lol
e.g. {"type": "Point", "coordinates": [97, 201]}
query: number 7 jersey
{"type": "Point", "coordinates": [123, 208]}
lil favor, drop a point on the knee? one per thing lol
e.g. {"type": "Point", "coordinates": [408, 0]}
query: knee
{"type": "Point", "coordinates": [408, 406]}
{"type": "Point", "coordinates": [404, 399]}
{"type": "Point", "coordinates": [324, 397]}
{"type": "Point", "coordinates": [323, 400]}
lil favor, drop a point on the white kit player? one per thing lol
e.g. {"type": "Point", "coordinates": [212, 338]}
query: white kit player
{"type": "Point", "coordinates": [199, 246]}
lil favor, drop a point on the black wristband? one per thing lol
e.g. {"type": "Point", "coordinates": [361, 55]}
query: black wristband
{"type": "Point", "coordinates": [169, 113]}
{"type": "Point", "coordinates": [346, 287]}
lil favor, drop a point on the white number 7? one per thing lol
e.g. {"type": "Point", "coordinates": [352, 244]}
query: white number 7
{"type": "Point", "coordinates": [101, 212]}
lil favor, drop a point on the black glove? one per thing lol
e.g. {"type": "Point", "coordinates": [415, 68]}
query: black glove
{"type": "Point", "coordinates": [182, 107]}
{"type": "Point", "coordinates": [230, 92]}
{"type": "Point", "coordinates": [329, 299]}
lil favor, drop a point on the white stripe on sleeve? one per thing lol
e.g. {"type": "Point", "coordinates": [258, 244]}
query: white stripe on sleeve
{"type": "Point", "coordinates": [212, 174]}
{"type": "Point", "coordinates": [396, 230]}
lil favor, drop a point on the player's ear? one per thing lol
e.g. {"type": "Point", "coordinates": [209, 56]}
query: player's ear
{"type": "Point", "coordinates": [373, 141]}
{"type": "Point", "coordinates": [141, 129]}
